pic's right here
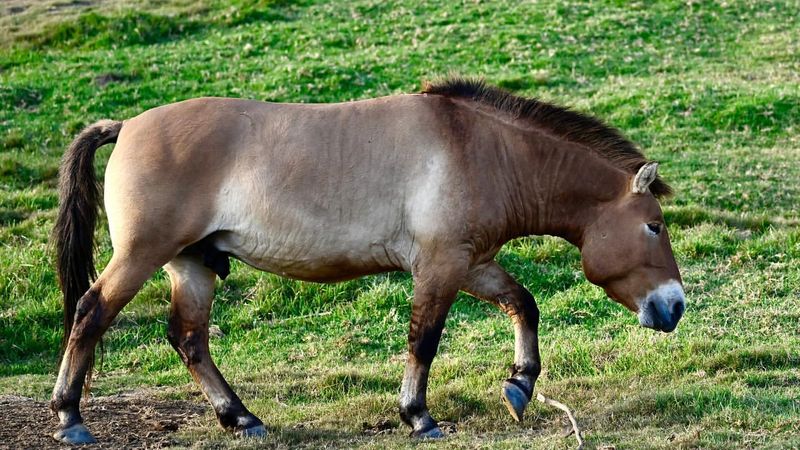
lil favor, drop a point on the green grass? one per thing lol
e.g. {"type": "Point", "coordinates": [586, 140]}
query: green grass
{"type": "Point", "coordinates": [709, 89]}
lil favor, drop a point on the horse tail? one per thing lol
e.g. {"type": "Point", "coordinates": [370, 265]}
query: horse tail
{"type": "Point", "coordinates": [79, 200]}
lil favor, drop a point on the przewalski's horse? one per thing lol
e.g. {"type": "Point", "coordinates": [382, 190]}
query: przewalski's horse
{"type": "Point", "coordinates": [433, 184]}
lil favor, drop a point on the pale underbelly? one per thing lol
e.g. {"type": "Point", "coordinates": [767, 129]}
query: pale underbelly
{"type": "Point", "coordinates": [315, 258]}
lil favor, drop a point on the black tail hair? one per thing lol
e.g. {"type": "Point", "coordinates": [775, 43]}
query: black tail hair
{"type": "Point", "coordinates": [73, 234]}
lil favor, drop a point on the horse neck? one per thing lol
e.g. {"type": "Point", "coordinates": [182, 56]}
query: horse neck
{"type": "Point", "coordinates": [562, 187]}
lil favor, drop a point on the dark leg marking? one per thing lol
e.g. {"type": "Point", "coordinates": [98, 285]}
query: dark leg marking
{"type": "Point", "coordinates": [192, 295]}
{"type": "Point", "coordinates": [85, 332]}
{"type": "Point", "coordinates": [491, 283]}
{"type": "Point", "coordinates": [95, 311]}
{"type": "Point", "coordinates": [192, 347]}
{"type": "Point", "coordinates": [436, 283]}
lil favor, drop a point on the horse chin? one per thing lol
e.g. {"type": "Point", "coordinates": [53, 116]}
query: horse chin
{"type": "Point", "coordinates": [648, 322]}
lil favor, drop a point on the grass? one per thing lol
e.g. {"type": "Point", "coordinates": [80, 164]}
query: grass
{"type": "Point", "coordinates": [709, 89]}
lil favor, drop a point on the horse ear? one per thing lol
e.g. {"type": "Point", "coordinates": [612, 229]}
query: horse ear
{"type": "Point", "coordinates": [646, 175]}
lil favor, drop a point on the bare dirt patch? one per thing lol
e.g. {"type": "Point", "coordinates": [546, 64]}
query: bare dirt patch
{"type": "Point", "coordinates": [133, 420]}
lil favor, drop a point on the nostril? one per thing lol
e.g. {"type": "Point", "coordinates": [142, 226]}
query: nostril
{"type": "Point", "coordinates": [677, 310]}
{"type": "Point", "coordinates": [660, 312]}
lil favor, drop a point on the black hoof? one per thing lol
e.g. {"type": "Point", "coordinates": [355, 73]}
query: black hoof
{"type": "Point", "coordinates": [256, 431]}
{"type": "Point", "coordinates": [431, 433]}
{"type": "Point", "coordinates": [75, 435]}
{"type": "Point", "coordinates": [515, 400]}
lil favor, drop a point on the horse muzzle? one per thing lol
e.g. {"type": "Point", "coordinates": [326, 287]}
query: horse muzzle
{"type": "Point", "coordinates": [663, 307]}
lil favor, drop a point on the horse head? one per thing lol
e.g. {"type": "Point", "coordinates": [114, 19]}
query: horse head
{"type": "Point", "coordinates": [627, 252]}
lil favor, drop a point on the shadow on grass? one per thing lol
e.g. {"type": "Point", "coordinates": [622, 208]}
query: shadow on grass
{"type": "Point", "coordinates": [688, 405]}
{"type": "Point", "coordinates": [687, 216]}
{"type": "Point", "coordinates": [20, 176]}
{"type": "Point", "coordinates": [761, 358]}
{"type": "Point", "coordinates": [20, 97]}
{"type": "Point", "coordinates": [301, 435]}
{"type": "Point", "coordinates": [11, 217]}
{"type": "Point", "coordinates": [457, 405]}
{"type": "Point", "coordinates": [768, 379]}
{"type": "Point", "coordinates": [336, 386]}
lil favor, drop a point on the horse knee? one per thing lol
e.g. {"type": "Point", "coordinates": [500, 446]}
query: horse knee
{"type": "Point", "coordinates": [520, 306]}
{"type": "Point", "coordinates": [191, 344]}
{"type": "Point", "coordinates": [425, 345]}
{"type": "Point", "coordinates": [88, 320]}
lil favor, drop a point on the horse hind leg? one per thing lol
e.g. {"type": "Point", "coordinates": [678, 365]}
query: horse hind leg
{"type": "Point", "coordinates": [98, 307]}
{"type": "Point", "coordinates": [192, 295]}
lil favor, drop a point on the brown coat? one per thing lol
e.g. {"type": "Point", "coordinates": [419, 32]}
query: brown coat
{"type": "Point", "coordinates": [432, 183]}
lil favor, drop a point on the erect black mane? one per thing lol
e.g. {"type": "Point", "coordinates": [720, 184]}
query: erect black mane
{"type": "Point", "coordinates": [562, 122]}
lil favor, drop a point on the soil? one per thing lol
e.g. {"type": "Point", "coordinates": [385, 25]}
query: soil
{"type": "Point", "coordinates": [132, 420]}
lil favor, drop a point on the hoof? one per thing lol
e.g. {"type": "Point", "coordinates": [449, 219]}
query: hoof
{"type": "Point", "coordinates": [433, 433]}
{"type": "Point", "coordinates": [515, 400]}
{"type": "Point", "coordinates": [255, 431]}
{"type": "Point", "coordinates": [75, 435]}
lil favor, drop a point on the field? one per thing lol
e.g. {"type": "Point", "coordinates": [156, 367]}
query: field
{"type": "Point", "coordinates": [711, 90]}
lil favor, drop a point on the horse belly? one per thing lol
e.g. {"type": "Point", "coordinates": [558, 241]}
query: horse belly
{"type": "Point", "coordinates": [321, 254]}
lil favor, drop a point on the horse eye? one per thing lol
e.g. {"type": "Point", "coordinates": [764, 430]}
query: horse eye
{"type": "Point", "coordinates": [654, 227]}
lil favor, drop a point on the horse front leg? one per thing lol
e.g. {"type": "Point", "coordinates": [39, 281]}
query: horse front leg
{"type": "Point", "coordinates": [492, 283]}
{"type": "Point", "coordinates": [435, 289]}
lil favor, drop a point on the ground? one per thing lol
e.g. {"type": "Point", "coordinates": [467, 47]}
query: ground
{"type": "Point", "coordinates": [130, 420]}
{"type": "Point", "coordinates": [708, 89]}
{"type": "Point", "coordinates": [149, 419]}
